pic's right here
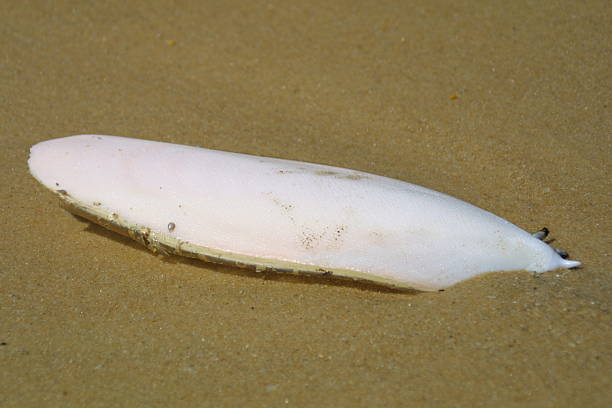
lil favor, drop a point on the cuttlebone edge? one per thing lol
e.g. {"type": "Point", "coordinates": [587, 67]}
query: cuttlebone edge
{"type": "Point", "coordinates": [165, 244]}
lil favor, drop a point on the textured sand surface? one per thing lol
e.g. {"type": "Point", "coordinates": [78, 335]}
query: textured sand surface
{"type": "Point", "coordinates": [503, 105]}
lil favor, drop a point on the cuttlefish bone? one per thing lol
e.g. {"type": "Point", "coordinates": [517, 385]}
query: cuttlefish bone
{"type": "Point", "coordinates": [283, 215]}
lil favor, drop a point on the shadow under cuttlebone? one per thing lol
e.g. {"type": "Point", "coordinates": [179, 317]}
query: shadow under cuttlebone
{"type": "Point", "coordinates": [248, 272]}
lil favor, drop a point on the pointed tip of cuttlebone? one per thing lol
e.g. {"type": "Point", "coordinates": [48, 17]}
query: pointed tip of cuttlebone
{"type": "Point", "coordinates": [568, 264]}
{"type": "Point", "coordinates": [563, 263]}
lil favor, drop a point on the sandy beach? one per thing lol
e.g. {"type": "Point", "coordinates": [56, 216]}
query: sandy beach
{"type": "Point", "coordinates": [506, 106]}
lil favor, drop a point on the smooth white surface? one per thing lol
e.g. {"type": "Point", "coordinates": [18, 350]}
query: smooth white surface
{"type": "Point", "coordinates": [290, 211]}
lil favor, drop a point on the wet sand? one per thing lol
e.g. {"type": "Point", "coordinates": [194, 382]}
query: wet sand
{"type": "Point", "coordinates": [504, 106]}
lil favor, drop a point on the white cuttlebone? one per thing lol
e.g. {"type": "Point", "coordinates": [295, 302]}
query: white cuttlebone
{"type": "Point", "coordinates": [283, 215]}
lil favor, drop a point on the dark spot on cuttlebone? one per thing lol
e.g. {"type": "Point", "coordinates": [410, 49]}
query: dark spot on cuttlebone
{"type": "Point", "coordinates": [283, 205]}
{"type": "Point", "coordinates": [335, 174]}
{"type": "Point", "coordinates": [339, 231]}
{"type": "Point", "coordinates": [355, 177]}
{"type": "Point", "coordinates": [326, 173]}
{"type": "Point", "coordinates": [331, 238]}
{"type": "Point", "coordinates": [330, 173]}
{"type": "Point", "coordinates": [310, 239]}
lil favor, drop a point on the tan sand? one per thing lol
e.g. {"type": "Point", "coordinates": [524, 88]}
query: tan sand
{"type": "Point", "coordinates": [505, 106]}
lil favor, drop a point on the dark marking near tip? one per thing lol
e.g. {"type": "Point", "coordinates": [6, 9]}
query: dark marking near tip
{"type": "Point", "coordinates": [541, 234]}
{"type": "Point", "coordinates": [171, 226]}
{"type": "Point", "coordinates": [562, 253]}
{"type": "Point", "coordinates": [63, 192]}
